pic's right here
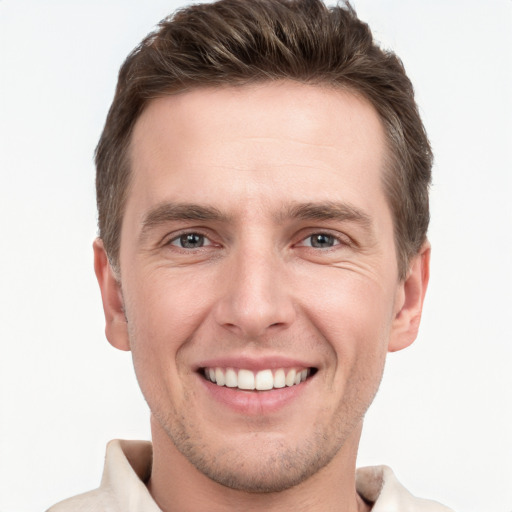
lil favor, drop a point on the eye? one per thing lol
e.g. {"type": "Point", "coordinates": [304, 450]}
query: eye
{"type": "Point", "coordinates": [320, 241]}
{"type": "Point", "coordinates": [190, 241]}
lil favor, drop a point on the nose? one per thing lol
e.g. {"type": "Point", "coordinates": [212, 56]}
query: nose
{"type": "Point", "coordinates": [255, 295]}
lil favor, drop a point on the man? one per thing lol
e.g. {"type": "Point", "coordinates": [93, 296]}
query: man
{"type": "Point", "coordinates": [262, 185]}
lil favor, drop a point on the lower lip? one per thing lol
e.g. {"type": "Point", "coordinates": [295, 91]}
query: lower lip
{"type": "Point", "coordinates": [255, 403]}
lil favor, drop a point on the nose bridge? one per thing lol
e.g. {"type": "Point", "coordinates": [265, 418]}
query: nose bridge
{"type": "Point", "coordinates": [255, 297]}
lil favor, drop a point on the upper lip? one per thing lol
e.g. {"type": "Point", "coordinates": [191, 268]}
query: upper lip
{"type": "Point", "coordinates": [255, 363]}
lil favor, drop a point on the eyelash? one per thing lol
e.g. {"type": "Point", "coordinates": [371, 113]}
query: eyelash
{"type": "Point", "coordinates": [178, 241]}
{"type": "Point", "coordinates": [185, 234]}
{"type": "Point", "coordinates": [329, 238]}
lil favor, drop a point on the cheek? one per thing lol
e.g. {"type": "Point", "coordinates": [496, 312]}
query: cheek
{"type": "Point", "coordinates": [355, 318]}
{"type": "Point", "coordinates": [164, 309]}
{"type": "Point", "coordinates": [161, 320]}
{"type": "Point", "coordinates": [359, 333]}
{"type": "Point", "coordinates": [354, 304]}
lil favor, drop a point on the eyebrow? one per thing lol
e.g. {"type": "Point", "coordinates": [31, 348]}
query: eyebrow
{"type": "Point", "coordinates": [168, 212]}
{"type": "Point", "coordinates": [326, 211]}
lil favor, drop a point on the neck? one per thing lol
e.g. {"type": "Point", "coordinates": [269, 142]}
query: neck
{"type": "Point", "coordinates": [177, 486]}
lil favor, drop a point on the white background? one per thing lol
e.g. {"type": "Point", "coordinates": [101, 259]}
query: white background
{"type": "Point", "coordinates": [443, 417]}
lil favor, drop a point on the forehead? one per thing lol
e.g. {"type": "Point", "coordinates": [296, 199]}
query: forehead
{"type": "Point", "coordinates": [304, 140]}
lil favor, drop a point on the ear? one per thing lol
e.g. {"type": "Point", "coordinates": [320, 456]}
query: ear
{"type": "Point", "coordinates": [116, 326]}
{"type": "Point", "coordinates": [409, 301]}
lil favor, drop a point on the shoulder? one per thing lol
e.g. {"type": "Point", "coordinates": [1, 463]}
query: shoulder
{"type": "Point", "coordinates": [92, 501]}
{"type": "Point", "coordinates": [122, 489]}
{"type": "Point", "coordinates": [379, 485]}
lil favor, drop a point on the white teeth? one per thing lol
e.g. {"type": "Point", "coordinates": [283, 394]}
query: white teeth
{"type": "Point", "coordinates": [245, 379]}
{"type": "Point", "coordinates": [290, 378]}
{"type": "Point", "coordinates": [231, 378]}
{"type": "Point", "coordinates": [263, 380]}
{"type": "Point", "coordinates": [219, 377]}
{"type": "Point", "coordinates": [279, 379]}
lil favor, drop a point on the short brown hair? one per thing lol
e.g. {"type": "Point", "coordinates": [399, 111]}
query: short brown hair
{"type": "Point", "coordinates": [237, 42]}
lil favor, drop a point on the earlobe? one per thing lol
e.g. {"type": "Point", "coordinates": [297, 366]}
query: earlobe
{"type": "Point", "coordinates": [116, 327]}
{"type": "Point", "coordinates": [412, 293]}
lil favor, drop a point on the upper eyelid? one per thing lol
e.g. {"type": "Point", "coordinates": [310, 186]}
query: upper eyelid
{"type": "Point", "coordinates": [303, 234]}
{"type": "Point", "coordinates": [342, 238]}
{"type": "Point", "coordinates": [199, 230]}
{"type": "Point", "coordinates": [171, 237]}
{"type": "Point", "coordinates": [337, 241]}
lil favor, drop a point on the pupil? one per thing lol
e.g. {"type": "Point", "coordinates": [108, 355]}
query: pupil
{"type": "Point", "coordinates": [321, 240]}
{"type": "Point", "coordinates": [192, 241]}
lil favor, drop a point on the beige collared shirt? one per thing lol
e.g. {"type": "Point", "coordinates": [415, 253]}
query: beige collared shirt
{"type": "Point", "coordinates": [128, 466]}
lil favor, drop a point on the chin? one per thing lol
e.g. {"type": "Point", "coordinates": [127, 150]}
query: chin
{"type": "Point", "coordinates": [258, 463]}
{"type": "Point", "coordinates": [261, 472]}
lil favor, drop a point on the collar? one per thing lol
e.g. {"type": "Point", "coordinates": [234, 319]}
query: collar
{"type": "Point", "coordinates": [128, 468]}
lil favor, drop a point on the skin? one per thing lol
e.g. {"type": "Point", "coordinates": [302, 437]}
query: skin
{"type": "Point", "coordinates": [279, 164]}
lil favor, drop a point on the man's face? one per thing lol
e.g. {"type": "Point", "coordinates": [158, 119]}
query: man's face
{"type": "Point", "coordinates": [257, 244]}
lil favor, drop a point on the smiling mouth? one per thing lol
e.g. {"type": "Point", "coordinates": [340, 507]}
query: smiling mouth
{"type": "Point", "coordinates": [263, 380]}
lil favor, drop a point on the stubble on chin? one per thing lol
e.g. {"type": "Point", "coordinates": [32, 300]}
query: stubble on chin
{"type": "Point", "coordinates": [262, 463]}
